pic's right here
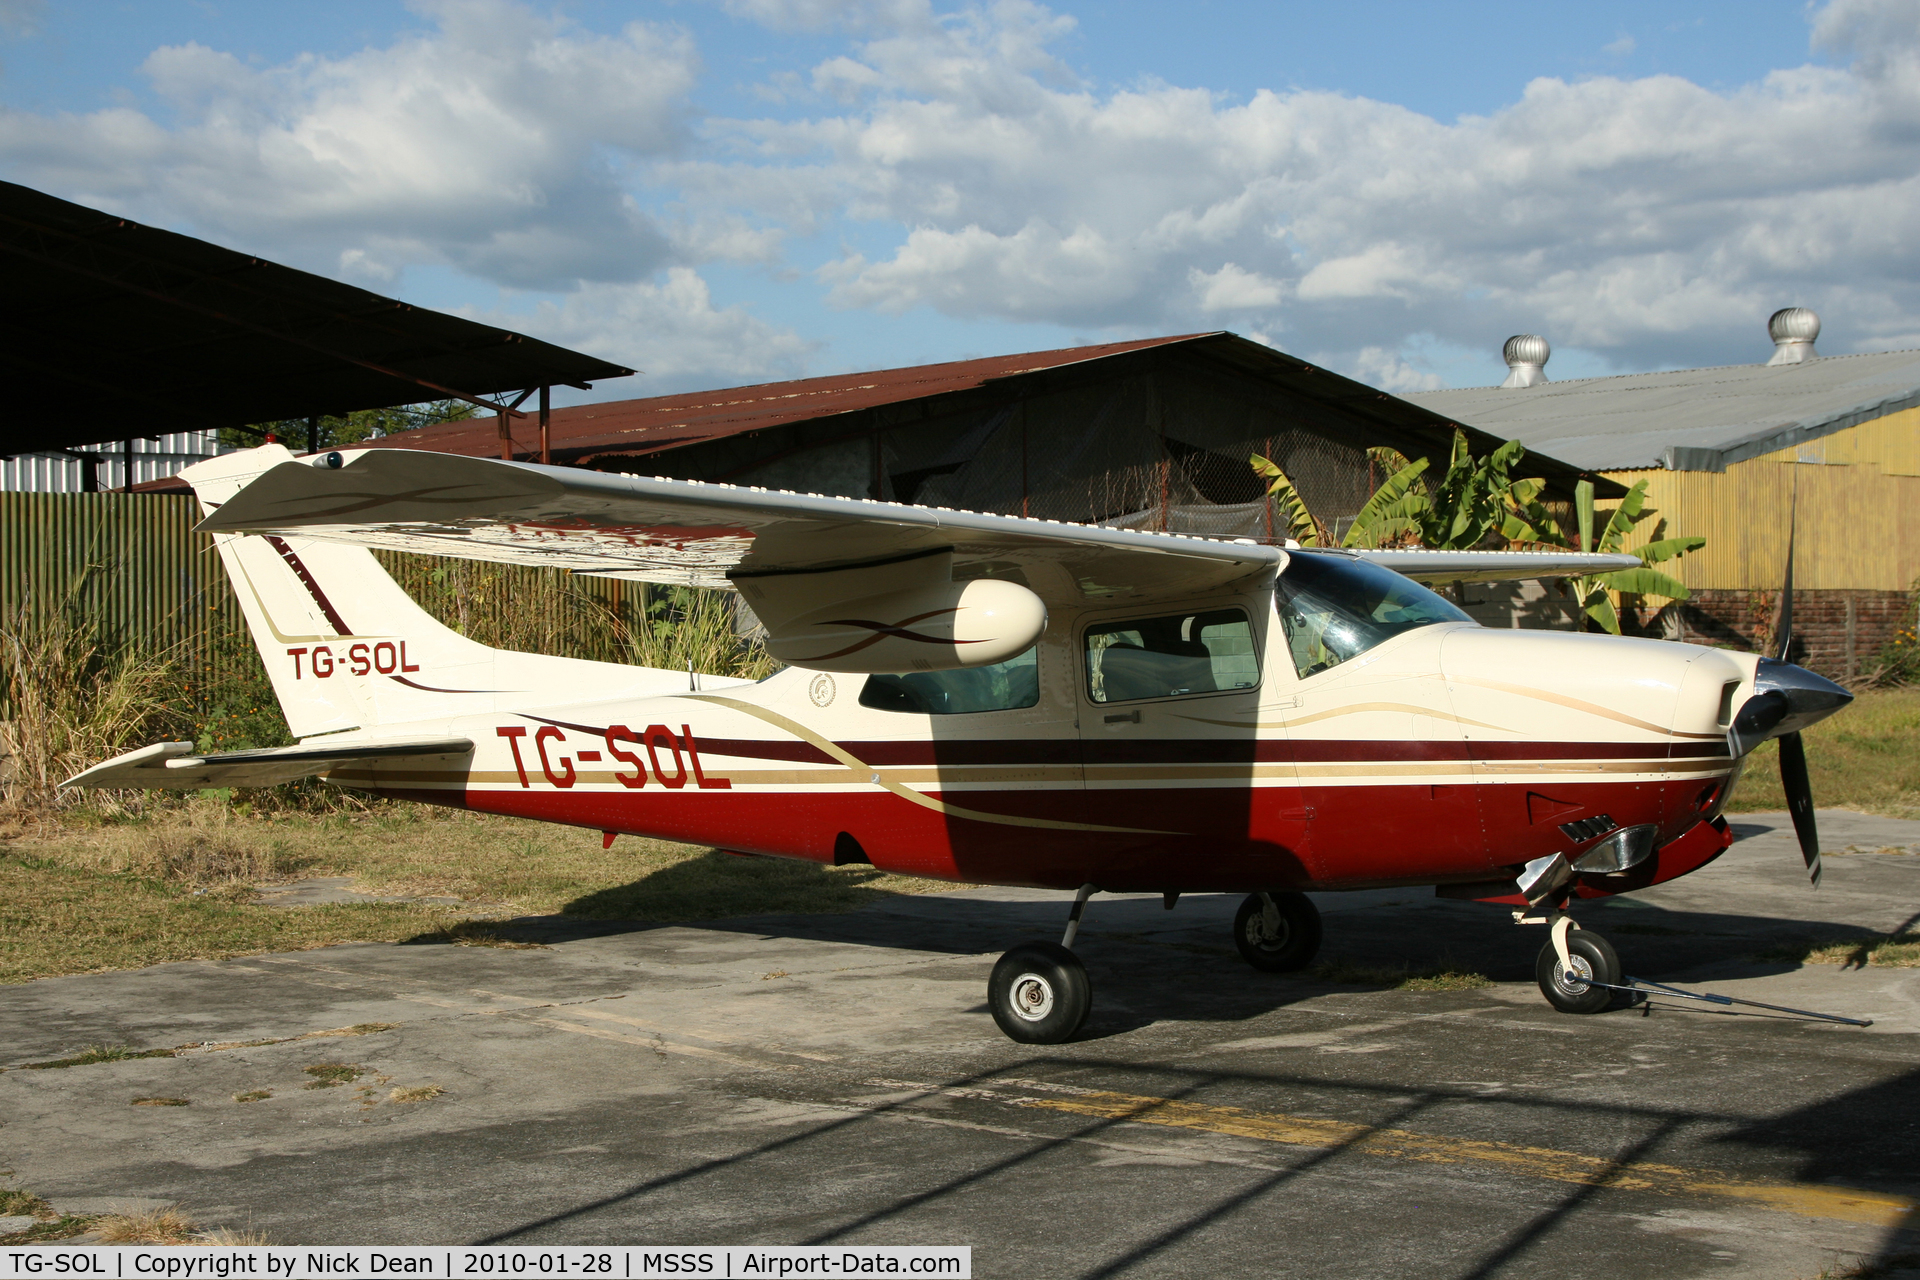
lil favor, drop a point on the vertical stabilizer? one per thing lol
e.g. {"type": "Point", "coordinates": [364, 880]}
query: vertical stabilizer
{"type": "Point", "coordinates": [347, 648]}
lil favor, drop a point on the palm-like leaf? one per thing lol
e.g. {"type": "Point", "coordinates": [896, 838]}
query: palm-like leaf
{"type": "Point", "coordinates": [1395, 499]}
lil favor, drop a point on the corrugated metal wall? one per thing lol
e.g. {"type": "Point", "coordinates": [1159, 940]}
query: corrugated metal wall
{"type": "Point", "coordinates": [128, 563]}
{"type": "Point", "coordinates": [131, 565]}
{"type": "Point", "coordinates": [63, 473]}
{"type": "Point", "coordinates": [1858, 523]}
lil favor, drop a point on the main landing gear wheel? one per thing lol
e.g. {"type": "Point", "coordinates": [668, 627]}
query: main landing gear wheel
{"type": "Point", "coordinates": [1588, 956]}
{"type": "Point", "coordinates": [1281, 940]}
{"type": "Point", "coordinates": [1039, 993]}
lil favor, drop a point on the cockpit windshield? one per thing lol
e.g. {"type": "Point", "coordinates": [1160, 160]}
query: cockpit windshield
{"type": "Point", "coordinates": [1334, 608]}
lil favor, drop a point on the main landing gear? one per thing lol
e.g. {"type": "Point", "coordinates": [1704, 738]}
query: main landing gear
{"type": "Point", "coordinates": [1040, 993]}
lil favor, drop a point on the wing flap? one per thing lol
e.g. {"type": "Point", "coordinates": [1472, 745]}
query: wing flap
{"type": "Point", "coordinates": [173, 766]}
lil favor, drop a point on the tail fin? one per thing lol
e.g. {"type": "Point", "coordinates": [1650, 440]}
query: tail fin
{"type": "Point", "coordinates": [347, 648]}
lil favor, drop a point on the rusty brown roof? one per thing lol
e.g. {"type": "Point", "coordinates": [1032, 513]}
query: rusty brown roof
{"type": "Point", "coordinates": [635, 428]}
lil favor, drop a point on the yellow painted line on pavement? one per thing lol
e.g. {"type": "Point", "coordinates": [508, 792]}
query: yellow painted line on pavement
{"type": "Point", "coordinates": [1838, 1203]}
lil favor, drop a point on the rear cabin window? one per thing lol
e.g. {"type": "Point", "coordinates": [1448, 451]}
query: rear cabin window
{"type": "Point", "coordinates": [1184, 653]}
{"type": "Point", "coordinates": [1004, 686]}
{"type": "Point", "coordinates": [1334, 607]}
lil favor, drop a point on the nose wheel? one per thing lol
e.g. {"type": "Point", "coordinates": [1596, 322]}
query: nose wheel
{"type": "Point", "coordinates": [1569, 985]}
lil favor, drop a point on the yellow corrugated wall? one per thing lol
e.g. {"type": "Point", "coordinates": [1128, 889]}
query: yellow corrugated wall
{"type": "Point", "coordinates": [1859, 512]}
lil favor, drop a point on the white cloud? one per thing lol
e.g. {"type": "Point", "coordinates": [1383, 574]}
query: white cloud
{"type": "Point", "coordinates": [1653, 220]}
{"type": "Point", "coordinates": [1233, 289]}
{"type": "Point", "coordinates": [1382, 368]}
{"type": "Point", "coordinates": [493, 143]}
{"type": "Point", "coordinates": [1620, 48]}
{"type": "Point", "coordinates": [670, 331]}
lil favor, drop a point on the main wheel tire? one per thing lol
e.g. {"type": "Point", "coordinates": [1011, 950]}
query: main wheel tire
{"type": "Point", "coordinates": [1039, 993]}
{"type": "Point", "coordinates": [1292, 946]}
{"type": "Point", "coordinates": [1590, 956]}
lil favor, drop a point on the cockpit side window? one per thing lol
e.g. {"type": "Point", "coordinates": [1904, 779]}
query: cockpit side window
{"type": "Point", "coordinates": [1333, 608]}
{"type": "Point", "coordinates": [1186, 653]}
{"type": "Point", "coordinates": [1003, 686]}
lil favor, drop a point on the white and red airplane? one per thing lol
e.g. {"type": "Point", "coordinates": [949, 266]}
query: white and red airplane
{"type": "Point", "coordinates": [998, 700]}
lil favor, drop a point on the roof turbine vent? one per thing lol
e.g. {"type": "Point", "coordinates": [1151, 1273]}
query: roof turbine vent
{"type": "Point", "coordinates": [1793, 330]}
{"type": "Point", "coordinates": [1526, 355]}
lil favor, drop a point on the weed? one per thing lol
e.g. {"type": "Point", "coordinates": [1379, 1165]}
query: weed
{"type": "Point", "coordinates": [96, 1053]}
{"type": "Point", "coordinates": [15, 1203]}
{"type": "Point", "coordinates": [161, 1102]}
{"type": "Point", "coordinates": [328, 1075]}
{"type": "Point", "coordinates": [777, 973]}
{"type": "Point", "coordinates": [61, 1228]}
{"type": "Point", "coordinates": [1440, 977]}
{"type": "Point", "coordinates": [476, 933]}
{"type": "Point", "coordinates": [230, 1235]}
{"type": "Point", "coordinates": [253, 1095]}
{"type": "Point", "coordinates": [418, 1094]}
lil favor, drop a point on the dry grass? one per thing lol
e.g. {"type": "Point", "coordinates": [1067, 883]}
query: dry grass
{"type": "Point", "coordinates": [253, 1095]}
{"type": "Point", "coordinates": [151, 1226]}
{"type": "Point", "coordinates": [1866, 757]}
{"type": "Point", "coordinates": [1885, 951]}
{"type": "Point", "coordinates": [74, 701]}
{"type": "Point", "coordinates": [419, 1093]}
{"type": "Point", "coordinates": [161, 1102]}
{"type": "Point", "coordinates": [478, 933]}
{"type": "Point", "coordinates": [98, 892]}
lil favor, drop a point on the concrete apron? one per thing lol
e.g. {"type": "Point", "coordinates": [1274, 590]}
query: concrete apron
{"type": "Point", "coordinates": [836, 1079]}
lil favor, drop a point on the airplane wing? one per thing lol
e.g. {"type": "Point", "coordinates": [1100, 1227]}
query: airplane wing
{"type": "Point", "coordinates": [174, 766]}
{"type": "Point", "coordinates": [697, 534]}
{"type": "Point", "coordinates": [1495, 566]}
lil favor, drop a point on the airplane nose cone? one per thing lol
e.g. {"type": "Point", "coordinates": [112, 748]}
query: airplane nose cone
{"type": "Point", "coordinates": [1786, 699]}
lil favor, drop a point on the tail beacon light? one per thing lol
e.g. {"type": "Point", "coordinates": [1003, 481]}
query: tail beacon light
{"type": "Point", "coordinates": [934, 627]}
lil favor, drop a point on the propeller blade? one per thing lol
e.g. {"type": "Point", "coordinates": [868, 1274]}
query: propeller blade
{"type": "Point", "coordinates": [1793, 780]}
{"type": "Point", "coordinates": [1784, 631]}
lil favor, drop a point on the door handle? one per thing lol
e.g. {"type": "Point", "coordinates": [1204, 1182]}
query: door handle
{"type": "Point", "coordinates": [1125, 717]}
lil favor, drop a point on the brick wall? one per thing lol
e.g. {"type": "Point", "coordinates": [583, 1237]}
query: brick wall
{"type": "Point", "coordinates": [1834, 632]}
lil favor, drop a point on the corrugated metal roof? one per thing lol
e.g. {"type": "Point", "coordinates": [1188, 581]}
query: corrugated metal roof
{"type": "Point", "coordinates": [1689, 419]}
{"type": "Point", "coordinates": [634, 428]}
{"type": "Point", "coordinates": [589, 435]}
{"type": "Point", "coordinates": [109, 328]}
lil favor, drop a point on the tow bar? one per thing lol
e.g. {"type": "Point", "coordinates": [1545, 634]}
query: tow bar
{"type": "Point", "coordinates": [1644, 987]}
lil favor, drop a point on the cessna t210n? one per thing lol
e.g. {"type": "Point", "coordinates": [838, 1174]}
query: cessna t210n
{"type": "Point", "coordinates": [1003, 701]}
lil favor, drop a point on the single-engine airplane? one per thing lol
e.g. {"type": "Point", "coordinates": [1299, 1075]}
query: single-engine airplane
{"type": "Point", "coordinates": [999, 700]}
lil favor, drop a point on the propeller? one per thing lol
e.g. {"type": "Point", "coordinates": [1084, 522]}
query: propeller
{"type": "Point", "coordinates": [1793, 752]}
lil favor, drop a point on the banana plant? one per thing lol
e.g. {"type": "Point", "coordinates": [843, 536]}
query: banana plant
{"type": "Point", "coordinates": [1597, 595]}
{"type": "Point", "coordinates": [1301, 526]}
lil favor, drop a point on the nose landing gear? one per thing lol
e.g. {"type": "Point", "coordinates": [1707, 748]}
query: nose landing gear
{"type": "Point", "coordinates": [1575, 984]}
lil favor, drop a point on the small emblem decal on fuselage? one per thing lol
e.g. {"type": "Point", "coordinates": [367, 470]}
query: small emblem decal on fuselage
{"type": "Point", "coordinates": [821, 690]}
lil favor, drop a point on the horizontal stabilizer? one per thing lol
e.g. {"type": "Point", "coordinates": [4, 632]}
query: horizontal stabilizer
{"type": "Point", "coordinates": [173, 766]}
{"type": "Point", "coordinates": [1496, 566]}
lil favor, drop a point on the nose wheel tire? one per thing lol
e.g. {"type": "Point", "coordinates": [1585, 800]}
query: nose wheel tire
{"type": "Point", "coordinates": [1039, 993]}
{"type": "Point", "coordinates": [1566, 987]}
{"type": "Point", "coordinates": [1279, 941]}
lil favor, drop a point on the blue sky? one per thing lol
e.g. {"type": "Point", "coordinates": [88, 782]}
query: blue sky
{"type": "Point", "coordinates": [743, 190]}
